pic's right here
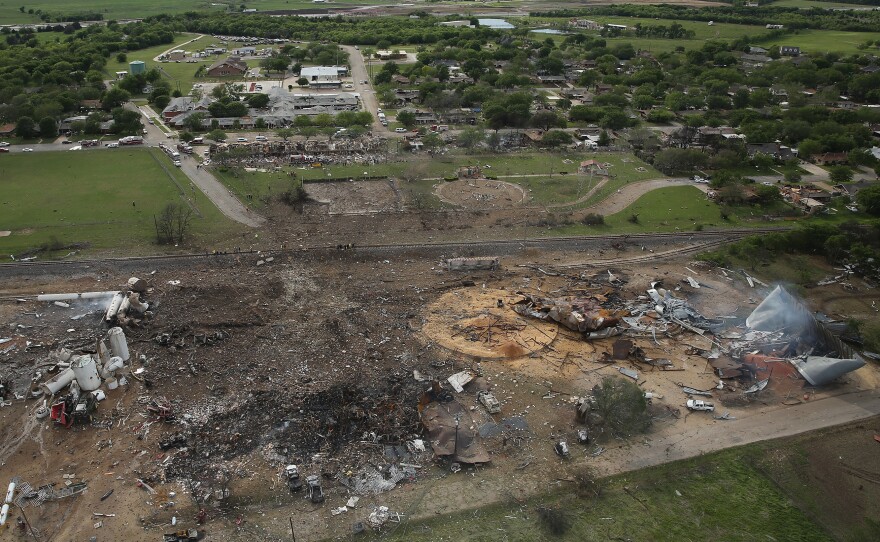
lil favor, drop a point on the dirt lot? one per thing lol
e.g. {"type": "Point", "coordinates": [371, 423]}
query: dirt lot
{"type": "Point", "coordinates": [309, 358]}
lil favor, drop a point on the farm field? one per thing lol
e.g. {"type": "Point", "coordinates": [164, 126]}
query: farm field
{"type": "Point", "coordinates": [91, 197]}
{"type": "Point", "coordinates": [820, 41]}
{"type": "Point", "coordinates": [126, 9]}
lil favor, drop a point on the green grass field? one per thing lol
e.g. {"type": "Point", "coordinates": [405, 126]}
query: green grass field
{"type": "Point", "coordinates": [721, 496]}
{"type": "Point", "coordinates": [126, 9]}
{"type": "Point", "coordinates": [807, 4]}
{"type": "Point", "coordinates": [86, 197]}
{"type": "Point", "coordinates": [821, 41]}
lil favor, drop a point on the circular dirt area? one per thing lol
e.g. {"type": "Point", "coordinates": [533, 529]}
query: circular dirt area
{"type": "Point", "coordinates": [481, 194]}
{"type": "Point", "coordinates": [470, 322]}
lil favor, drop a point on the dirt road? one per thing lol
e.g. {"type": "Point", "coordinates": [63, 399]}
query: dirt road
{"type": "Point", "coordinates": [368, 95]}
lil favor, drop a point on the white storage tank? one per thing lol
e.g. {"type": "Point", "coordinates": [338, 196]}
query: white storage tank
{"type": "Point", "coordinates": [86, 371]}
{"type": "Point", "coordinates": [118, 344]}
{"type": "Point", "coordinates": [58, 382]}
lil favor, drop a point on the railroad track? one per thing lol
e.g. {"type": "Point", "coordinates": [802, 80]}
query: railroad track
{"type": "Point", "coordinates": [713, 238]}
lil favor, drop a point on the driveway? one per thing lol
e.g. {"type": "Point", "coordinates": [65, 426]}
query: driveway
{"type": "Point", "coordinates": [367, 94]}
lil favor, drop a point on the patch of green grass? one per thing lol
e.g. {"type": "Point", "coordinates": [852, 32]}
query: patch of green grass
{"type": "Point", "coordinates": [720, 496]}
{"type": "Point", "coordinates": [824, 41]}
{"type": "Point", "coordinates": [86, 197]}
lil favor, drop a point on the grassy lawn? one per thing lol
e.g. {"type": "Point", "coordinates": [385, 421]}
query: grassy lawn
{"type": "Point", "coordinates": [674, 208]}
{"type": "Point", "coordinates": [821, 41]}
{"type": "Point", "coordinates": [720, 496]}
{"type": "Point", "coordinates": [86, 197]}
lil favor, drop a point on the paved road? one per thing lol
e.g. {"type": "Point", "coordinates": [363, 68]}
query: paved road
{"type": "Point", "coordinates": [368, 96]}
{"type": "Point", "coordinates": [219, 195]}
{"type": "Point", "coordinates": [178, 46]}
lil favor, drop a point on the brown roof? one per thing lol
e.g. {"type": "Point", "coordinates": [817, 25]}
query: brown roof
{"type": "Point", "coordinates": [7, 128]}
{"type": "Point", "coordinates": [232, 62]}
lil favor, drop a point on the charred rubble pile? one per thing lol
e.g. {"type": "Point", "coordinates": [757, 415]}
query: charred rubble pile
{"type": "Point", "coordinates": [341, 427]}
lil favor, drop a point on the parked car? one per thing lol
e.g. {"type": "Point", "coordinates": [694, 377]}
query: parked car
{"type": "Point", "coordinates": [697, 404]}
{"type": "Point", "coordinates": [242, 140]}
{"type": "Point", "coordinates": [113, 145]}
{"type": "Point", "coordinates": [177, 163]}
{"type": "Point", "coordinates": [348, 85]}
{"type": "Point", "coordinates": [66, 142]}
{"type": "Point", "coordinates": [4, 149]}
{"type": "Point", "coordinates": [27, 149]}
{"type": "Point", "coordinates": [261, 138]}
{"type": "Point", "coordinates": [400, 130]}
{"type": "Point", "coordinates": [4, 143]}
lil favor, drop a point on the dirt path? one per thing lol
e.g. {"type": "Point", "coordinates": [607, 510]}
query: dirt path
{"type": "Point", "coordinates": [627, 195]}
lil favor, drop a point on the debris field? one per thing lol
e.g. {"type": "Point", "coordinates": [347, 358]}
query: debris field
{"type": "Point", "coordinates": [344, 390]}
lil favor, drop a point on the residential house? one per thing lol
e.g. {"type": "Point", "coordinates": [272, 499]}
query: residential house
{"type": "Point", "coordinates": [177, 54]}
{"type": "Point", "coordinates": [463, 115]}
{"type": "Point", "coordinates": [603, 88]}
{"type": "Point", "coordinates": [789, 50]}
{"type": "Point", "coordinates": [400, 79]}
{"type": "Point", "coordinates": [406, 96]}
{"type": "Point", "coordinates": [775, 149]}
{"type": "Point", "coordinates": [830, 158]}
{"type": "Point", "coordinates": [230, 66]}
{"type": "Point", "coordinates": [7, 129]}
{"type": "Point", "coordinates": [851, 189]}
{"type": "Point", "coordinates": [873, 68]}
{"type": "Point", "coordinates": [422, 117]}
{"type": "Point", "coordinates": [757, 50]}
{"type": "Point", "coordinates": [66, 125]}
{"type": "Point", "coordinates": [558, 80]}
{"type": "Point", "coordinates": [89, 105]}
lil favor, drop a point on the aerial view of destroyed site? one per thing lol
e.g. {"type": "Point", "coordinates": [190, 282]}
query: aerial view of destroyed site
{"type": "Point", "coordinates": [500, 270]}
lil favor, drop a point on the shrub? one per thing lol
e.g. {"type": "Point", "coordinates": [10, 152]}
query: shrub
{"type": "Point", "coordinates": [593, 219]}
{"type": "Point", "coordinates": [633, 219]}
{"type": "Point", "coordinates": [621, 406]}
{"type": "Point", "coordinates": [293, 196]}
